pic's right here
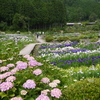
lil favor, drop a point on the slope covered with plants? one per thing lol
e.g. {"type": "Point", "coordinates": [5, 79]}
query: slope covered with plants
{"type": "Point", "coordinates": [36, 14]}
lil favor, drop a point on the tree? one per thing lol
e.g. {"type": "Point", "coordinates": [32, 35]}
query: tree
{"type": "Point", "coordinates": [3, 26]}
{"type": "Point", "coordinates": [20, 22]}
{"type": "Point", "coordinates": [7, 10]}
{"type": "Point", "coordinates": [92, 17]}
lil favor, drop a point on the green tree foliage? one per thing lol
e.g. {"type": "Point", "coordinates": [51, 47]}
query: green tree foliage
{"type": "Point", "coordinates": [92, 17]}
{"type": "Point", "coordinates": [7, 8]}
{"type": "Point", "coordinates": [80, 10]}
{"type": "Point", "coordinates": [47, 13]}
{"type": "Point", "coordinates": [3, 26]}
{"type": "Point", "coordinates": [19, 21]}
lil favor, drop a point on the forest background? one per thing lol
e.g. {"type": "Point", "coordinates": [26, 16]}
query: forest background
{"type": "Point", "coordinates": [36, 14]}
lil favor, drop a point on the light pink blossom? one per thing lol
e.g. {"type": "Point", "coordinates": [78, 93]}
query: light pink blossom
{"type": "Point", "coordinates": [29, 84]}
{"type": "Point", "coordinates": [18, 62]}
{"type": "Point", "coordinates": [56, 93]}
{"type": "Point", "coordinates": [23, 92]}
{"type": "Point", "coordinates": [16, 98]}
{"type": "Point", "coordinates": [39, 64]}
{"type": "Point", "coordinates": [45, 80]}
{"type": "Point", "coordinates": [30, 58]}
{"type": "Point", "coordinates": [6, 86]}
{"type": "Point", "coordinates": [4, 75]}
{"type": "Point", "coordinates": [42, 97]}
{"type": "Point", "coordinates": [37, 71]}
{"type": "Point", "coordinates": [56, 81]}
{"type": "Point", "coordinates": [10, 65]}
{"type": "Point", "coordinates": [52, 84]}
{"type": "Point", "coordinates": [13, 71]}
{"type": "Point", "coordinates": [32, 63]}
{"type": "Point", "coordinates": [45, 91]}
{"type": "Point", "coordinates": [11, 79]}
{"type": "Point", "coordinates": [22, 65]}
{"type": "Point", "coordinates": [4, 68]}
{"type": "Point", "coordinates": [26, 56]}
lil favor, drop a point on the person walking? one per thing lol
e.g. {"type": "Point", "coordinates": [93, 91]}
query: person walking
{"type": "Point", "coordinates": [37, 35]}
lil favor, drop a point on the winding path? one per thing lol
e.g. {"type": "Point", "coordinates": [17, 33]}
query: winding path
{"type": "Point", "coordinates": [28, 49]}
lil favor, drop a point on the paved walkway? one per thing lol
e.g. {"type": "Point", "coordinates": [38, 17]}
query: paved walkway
{"type": "Point", "coordinates": [40, 40]}
{"type": "Point", "coordinates": [28, 49]}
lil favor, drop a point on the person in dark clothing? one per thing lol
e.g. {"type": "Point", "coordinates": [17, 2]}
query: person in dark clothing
{"type": "Point", "coordinates": [37, 35]}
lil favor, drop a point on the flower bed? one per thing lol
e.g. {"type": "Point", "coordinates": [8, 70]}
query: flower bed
{"type": "Point", "coordinates": [67, 55]}
{"type": "Point", "coordinates": [44, 77]}
{"type": "Point", "coordinates": [24, 78]}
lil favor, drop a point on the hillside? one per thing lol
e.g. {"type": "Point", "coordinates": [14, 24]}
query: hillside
{"type": "Point", "coordinates": [36, 14]}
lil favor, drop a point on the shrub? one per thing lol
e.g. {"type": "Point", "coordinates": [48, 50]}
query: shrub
{"type": "Point", "coordinates": [85, 23]}
{"type": "Point", "coordinates": [61, 38]}
{"type": "Point", "coordinates": [95, 28]}
{"type": "Point", "coordinates": [90, 36]}
{"type": "Point", "coordinates": [94, 39]}
{"type": "Point", "coordinates": [75, 39]}
{"type": "Point", "coordinates": [76, 26]}
{"type": "Point", "coordinates": [49, 38]}
{"type": "Point", "coordinates": [81, 36]}
{"type": "Point", "coordinates": [88, 89]}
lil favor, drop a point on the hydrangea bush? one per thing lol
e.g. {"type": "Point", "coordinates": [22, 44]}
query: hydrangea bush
{"type": "Point", "coordinates": [26, 80]}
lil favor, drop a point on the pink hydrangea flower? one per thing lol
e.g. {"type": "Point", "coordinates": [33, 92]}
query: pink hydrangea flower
{"type": "Point", "coordinates": [32, 63]}
{"type": "Point", "coordinates": [37, 71]}
{"type": "Point", "coordinates": [30, 58]}
{"type": "Point", "coordinates": [11, 79]}
{"type": "Point", "coordinates": [45, 80]}
{"type": "Point", "coordinates": [26, 56]}
{"type": "Point", "coordinates": [52, 84]}
{"type": "Point", "coordinates": [2, 76]}
{"type": "Point", "coordinates": [39, 64]}
{"type": "Point", "coordinates": [23, 92]}
{"type": "Point", "coordinates": [4, 68]}
{"type": "Point", "coordinates": [13, 71]}
{"type": "Point", "coordinates": [8, 73]}
{"type": "Point", "coordinates": [29, 84]}
{"type": "Point", "coordinates": [45, 91]}
{"type": "Point", "coordinates": [22, 65]}
{"type": "Point", "coordinates": [6, 86]}
{"type": "Point", "coordinates": [56, 81]}
{"type": "Point", "coordinates": [56, 93]}
{"type": "Point", "coordinates": [10, 65]}
{"type": "Point", "coordinates": [18, 62]}
{"type": "Point", "coordinates": [16, 98]}
{"type": "Point", "coordinates": [42, 97]}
